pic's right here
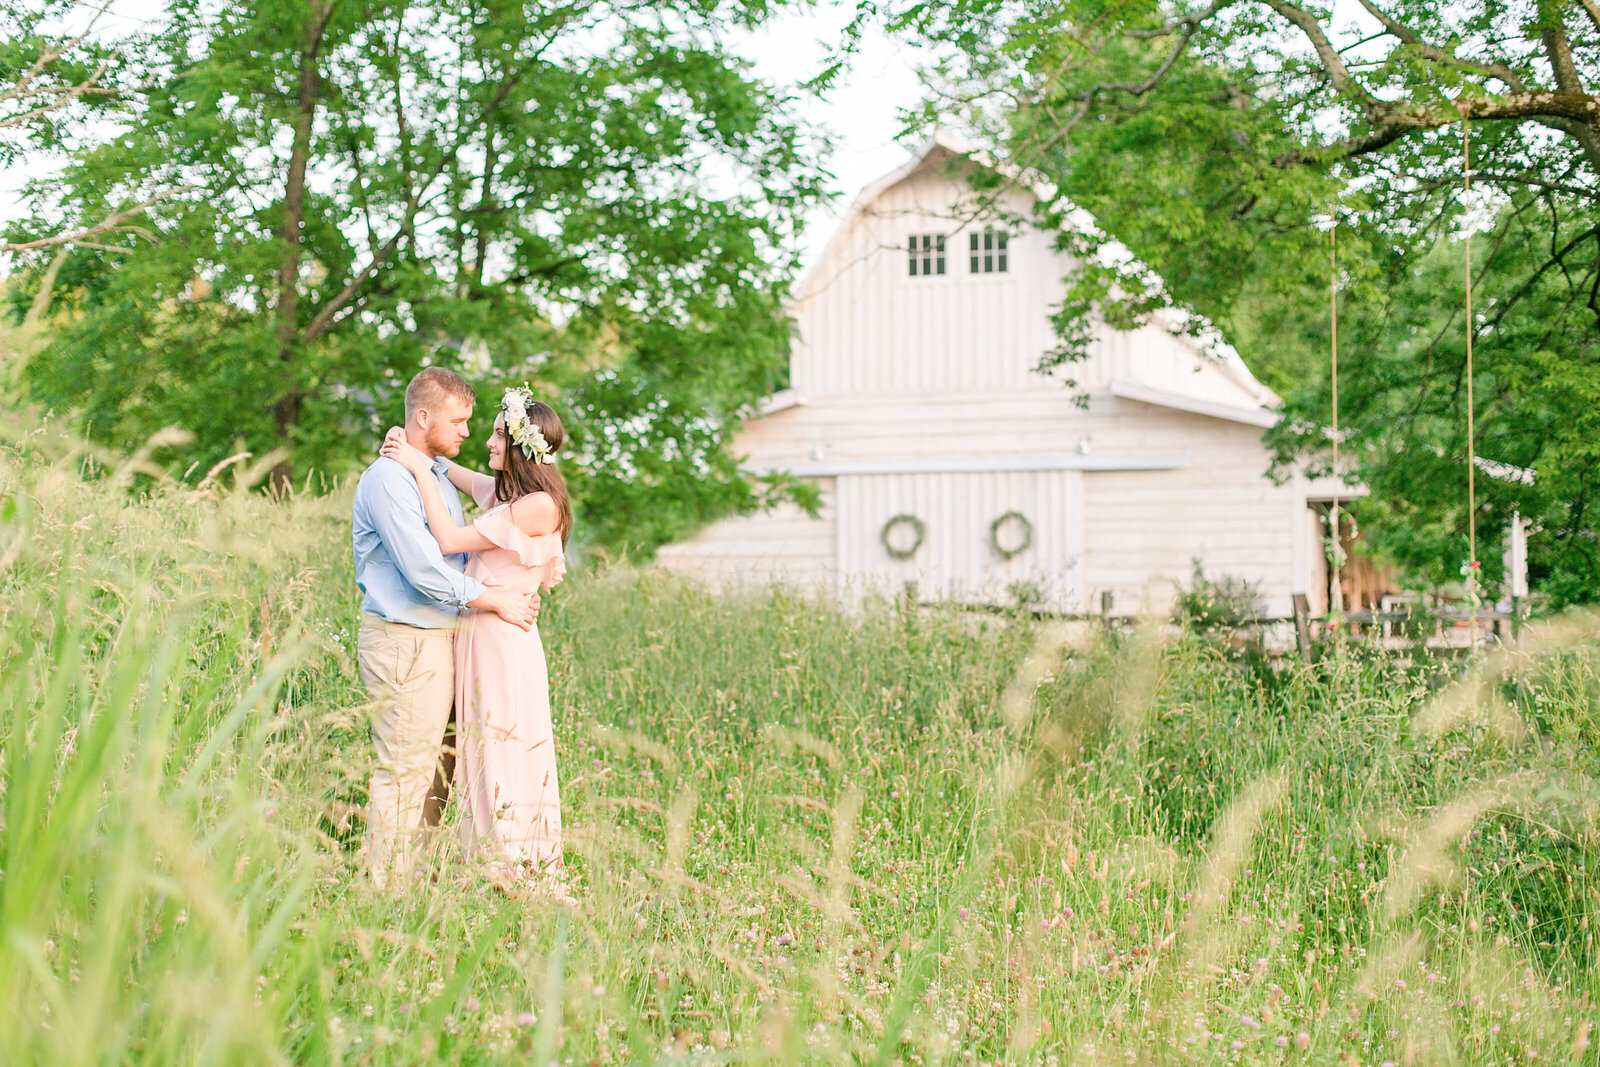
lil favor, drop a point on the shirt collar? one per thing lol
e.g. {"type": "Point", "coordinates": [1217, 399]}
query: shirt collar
{"type": "Point", "coordinates": [441, 466]}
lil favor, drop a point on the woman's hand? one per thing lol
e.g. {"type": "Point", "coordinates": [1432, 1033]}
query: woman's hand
{"type": "Point", "coordinates": [397, 448]}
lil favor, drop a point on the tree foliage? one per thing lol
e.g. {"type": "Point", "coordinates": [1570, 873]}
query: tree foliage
{"type": "Point", "coordinates": [591, 194]}
{"type": "Point", "coordinates": [1221, 140]}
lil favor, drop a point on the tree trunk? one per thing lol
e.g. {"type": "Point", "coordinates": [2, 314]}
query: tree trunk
{"type": "Point", "coordinates": [286, 412]}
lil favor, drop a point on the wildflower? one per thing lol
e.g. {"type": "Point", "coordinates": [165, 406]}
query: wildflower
{"type": "Point", "coordinates": [526, 1018]}
{"type": "Point", "coordinates": [1282, 1041]}
{"type": "Point", "coordinates": [1302, 1040]}
{"type": "Point", "coordinates": [1237, 1045]}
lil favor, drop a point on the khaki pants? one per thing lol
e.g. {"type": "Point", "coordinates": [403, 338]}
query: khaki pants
{"type": "Point", "coordinates": [411, 674]}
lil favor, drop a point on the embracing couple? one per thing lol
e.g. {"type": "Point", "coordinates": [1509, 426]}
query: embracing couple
{"type": "Point", "coordinates": [448, 621]}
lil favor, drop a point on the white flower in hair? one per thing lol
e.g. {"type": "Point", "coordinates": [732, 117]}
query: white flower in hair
{"type": "Point", "coordinates": [521, 429]}
{"type": "Point", "coordinates": [515, 405]}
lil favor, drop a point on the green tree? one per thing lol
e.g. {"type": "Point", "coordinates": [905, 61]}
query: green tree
{"type": "Point", "coordinates": [593, 194]}
{"type": "Point", "coordinates": [1217, 140]}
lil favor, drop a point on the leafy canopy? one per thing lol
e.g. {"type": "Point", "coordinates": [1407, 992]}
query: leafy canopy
{"type": "Point", "coordinates": [595, 196]}
{"type": "Point", "coordinates": [1221, 141]}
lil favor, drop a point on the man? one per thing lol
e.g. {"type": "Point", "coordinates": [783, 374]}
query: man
{"type": "Point", "coordinates": [412, 595]}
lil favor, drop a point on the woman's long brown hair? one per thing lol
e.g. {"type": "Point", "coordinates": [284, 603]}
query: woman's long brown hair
{"type": "Point", "coordinates": [522, 475]}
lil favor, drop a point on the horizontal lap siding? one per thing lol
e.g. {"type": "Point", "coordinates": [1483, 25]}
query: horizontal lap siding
{"type": "Point", "coordinates": [1144, 529]}
{"type": "Point", "coordinates": [781, 545]}
{"type": "Point", "coordinates": [992, 426]}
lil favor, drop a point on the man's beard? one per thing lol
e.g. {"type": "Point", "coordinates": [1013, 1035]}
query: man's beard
{"type": "Point", "coordinates": [443, 444]}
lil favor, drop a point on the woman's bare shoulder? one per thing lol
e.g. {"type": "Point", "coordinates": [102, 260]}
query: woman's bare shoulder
{"type": "Point", "coordinates": [535, 514]}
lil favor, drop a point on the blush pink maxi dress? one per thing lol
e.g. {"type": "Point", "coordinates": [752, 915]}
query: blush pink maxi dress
{"type": "Point", "coordinates": [505, 779]}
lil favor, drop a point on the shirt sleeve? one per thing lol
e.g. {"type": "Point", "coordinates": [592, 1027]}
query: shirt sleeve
{"type": "Point", "coordinates": [400, 521]}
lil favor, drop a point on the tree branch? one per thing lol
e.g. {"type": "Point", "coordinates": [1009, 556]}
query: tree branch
{"type": "Point", "coordinates": [1185, 22]}
{"type": "Point", "coordinates": [20, 89]}
{"type": "Point", "coordinates": [1346, 149]}
{"type": "Point", "coordinates": [1327, 55]}
{"type": "Point", "coordinates": [1439, 55]}
{"type": "Point", "coordinates": [323, 320]}
{"type": "Point", "coordinates": [112, 223]}
{"type": "Point", "coordinates": [1593, 11]}
{"type": "Point", "coordinates": [1558, 50]}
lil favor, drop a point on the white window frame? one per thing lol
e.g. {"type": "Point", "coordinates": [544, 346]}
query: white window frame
{"type": "Point", "coordinates": [988, 252]}
{"type": "Point", "coordinates": [929, 251]}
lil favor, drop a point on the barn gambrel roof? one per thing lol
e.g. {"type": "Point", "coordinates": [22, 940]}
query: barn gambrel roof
{"type": "Point", "coordinates": [1205, 340]}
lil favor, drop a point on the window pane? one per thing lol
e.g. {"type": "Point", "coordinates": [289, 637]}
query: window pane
{"type": "Point", "coordinates": [974, 264]}
{"type": "Point", "coordinates": [1000, 265]}
{"type": "Point", "coordinates": [972, 243]}
{"type": "Point", "coordinates": [988, 264]}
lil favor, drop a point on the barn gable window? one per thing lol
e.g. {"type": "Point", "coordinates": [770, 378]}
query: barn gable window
{"type": "Point", "coordinates": [987, 252]}
{"type": "Point", "coordinates": [927, 254]}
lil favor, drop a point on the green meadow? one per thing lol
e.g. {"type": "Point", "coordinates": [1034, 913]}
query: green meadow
{"type": "Point", "coordinates": [798, 833]}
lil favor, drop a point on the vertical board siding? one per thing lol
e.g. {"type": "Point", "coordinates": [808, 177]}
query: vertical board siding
{"type": "Point", "coordinates": [866, 326]}
{"type": "Point", "coordinates": [956, 560]}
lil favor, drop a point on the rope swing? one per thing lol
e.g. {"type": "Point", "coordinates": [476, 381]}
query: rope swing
{"type": "Point", "coordinates": [1472, 499]}
{"type": "Point", "coordinates": [1336, 591]}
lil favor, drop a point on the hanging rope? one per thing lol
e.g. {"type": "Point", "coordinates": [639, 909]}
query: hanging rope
{"type": "Point", "coordinates": [1472, 499]}
{"type": "Point", "coordinates": [1336, 591]}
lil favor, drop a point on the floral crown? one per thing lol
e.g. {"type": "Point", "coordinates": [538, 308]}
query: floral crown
{"type": "Point", "coordinates": [523, 431]}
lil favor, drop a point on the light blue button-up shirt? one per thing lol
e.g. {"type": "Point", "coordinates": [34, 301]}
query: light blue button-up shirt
{"type": "Point", "coordinates": [399, 566]}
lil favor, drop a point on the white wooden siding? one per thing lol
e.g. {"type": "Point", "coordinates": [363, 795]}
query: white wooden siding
{"type": "Point", "coordinates": [956, 560]}
{"type": "Point", "coordinates": [1145, 529]}
{"type": "Point", "coordinates": [901, 374]}
{"type": "Point", "coordinates": [784, 545]}
{"type": "Point", "coordinates": [865, 325]}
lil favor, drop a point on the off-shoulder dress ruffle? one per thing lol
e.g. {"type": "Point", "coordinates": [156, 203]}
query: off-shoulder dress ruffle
{"type": "Point", "coordinates": [544, 552]}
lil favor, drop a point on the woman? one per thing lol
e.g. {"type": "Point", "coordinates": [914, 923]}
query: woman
{"type": "Point", "coordinates": [505, 778]}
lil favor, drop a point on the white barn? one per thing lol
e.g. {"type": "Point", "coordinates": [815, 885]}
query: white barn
{"type": "Point", "coordinates": [945, 458]}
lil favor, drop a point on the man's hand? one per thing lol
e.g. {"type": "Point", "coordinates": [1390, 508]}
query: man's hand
{"type": "Point", "coordinates": [519, 609]}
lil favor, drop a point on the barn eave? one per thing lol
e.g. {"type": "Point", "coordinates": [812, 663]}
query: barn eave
{"type": "Point", "coordinates": [1144, 394]}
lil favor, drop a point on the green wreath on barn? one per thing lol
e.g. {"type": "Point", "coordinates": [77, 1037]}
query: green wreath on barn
{"type": "Point", "coordinates": [917, 531]}
{"type": "Point", "coordinates": [1021, 546]}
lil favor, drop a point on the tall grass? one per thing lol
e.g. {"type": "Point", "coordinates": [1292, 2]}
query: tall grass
{"type": "Point", "coordinates": [799, 835]}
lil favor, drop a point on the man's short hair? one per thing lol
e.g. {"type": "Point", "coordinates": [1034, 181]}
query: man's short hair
{"type": "Point", "coordinates": [432, 385]}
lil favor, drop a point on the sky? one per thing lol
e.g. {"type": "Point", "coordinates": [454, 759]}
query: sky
{"type": "Point", "coordinates": [859, 114]}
